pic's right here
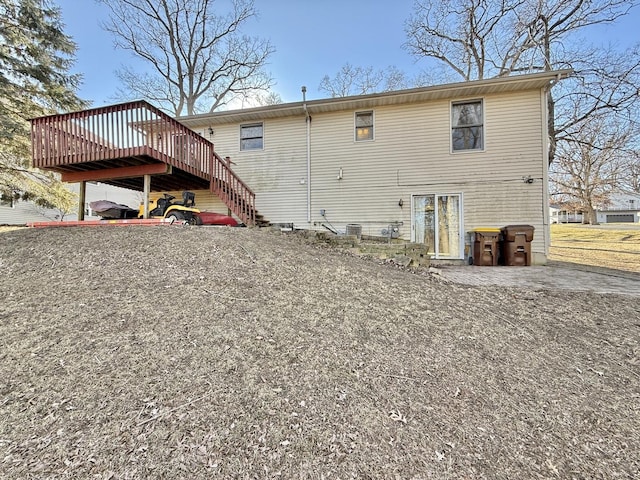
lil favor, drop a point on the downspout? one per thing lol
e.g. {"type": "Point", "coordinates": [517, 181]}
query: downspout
{"type": "Point", "coordinates": [546, 223]}
{"type": "Point", "coordinates": [308, 121]}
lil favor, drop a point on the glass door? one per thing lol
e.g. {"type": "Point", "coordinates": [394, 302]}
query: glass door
{"type": "Point", "coordinates": [437, 222]}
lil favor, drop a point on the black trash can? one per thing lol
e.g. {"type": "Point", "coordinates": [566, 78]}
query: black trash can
{"type": "Point", "coordinates": [485, 246]}
{"type": "Point", "coordinates": [516, 245]}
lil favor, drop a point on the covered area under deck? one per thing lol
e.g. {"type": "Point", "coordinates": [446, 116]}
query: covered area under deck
{"type": "Point", "coordinates": [136, 146]}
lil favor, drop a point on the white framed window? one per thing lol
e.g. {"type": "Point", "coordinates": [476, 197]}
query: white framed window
{"type": "Point", "coordinates": [252, 136]}
{"type": "Point", "coordinates": [467, 125]}
{"type": "Point", "coordinates": [364, 126]}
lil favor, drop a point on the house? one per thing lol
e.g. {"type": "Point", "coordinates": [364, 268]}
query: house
{"type": "Point", "coordinates": [23, 212]}
{"type": "Point", "coordinates": [560, 214]}
{"type": "Point", "coordinates": [620, 208]}
{"type": "Point", "coordinates": [432, 162]}
{"type": "Point", "coordinates": [104, 191]}
{"type": "Point", "coordinates": [427, 164]}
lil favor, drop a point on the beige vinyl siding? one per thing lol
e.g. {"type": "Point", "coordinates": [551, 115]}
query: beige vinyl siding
{"type": "Point", "coordinates": [277, 173]}
{"type": "Point", "coordinates": [410, 155]}
{"type": "Point", "coordinates": [205, 200]}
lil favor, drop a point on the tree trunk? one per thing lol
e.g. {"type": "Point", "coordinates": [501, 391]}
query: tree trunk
{"type": "Point", "coordinates": [589, 216]}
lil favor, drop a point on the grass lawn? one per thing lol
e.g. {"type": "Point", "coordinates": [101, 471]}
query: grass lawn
{"type": "Point", "coordinates": [610, 246]}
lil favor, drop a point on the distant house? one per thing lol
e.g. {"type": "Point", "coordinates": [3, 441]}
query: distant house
{"type": "Point", "coordinates": [560, 214]}
{"type": "Point", "coordinates": [428, 164]}
{"type": "Point", "coordinates": [621, 208]}
{"type": "Point", "coordinates": [104, 191]}
{"type": "Point", "coordinates": [21, 212]}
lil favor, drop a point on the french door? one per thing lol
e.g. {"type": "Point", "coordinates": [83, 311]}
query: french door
{"type": "Point", "coordinates": [437, 222]}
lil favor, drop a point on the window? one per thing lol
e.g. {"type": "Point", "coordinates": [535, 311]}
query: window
{"type": "Point", "coordinates": [467, 126]}
{"type": "Point", "coordinates": [251, 136]}
{"type": "Point", "coordinates": [364, 126]}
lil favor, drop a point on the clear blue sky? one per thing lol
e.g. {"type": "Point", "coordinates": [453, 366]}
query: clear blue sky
{"type": "Point", "coordinates": [312, 38]}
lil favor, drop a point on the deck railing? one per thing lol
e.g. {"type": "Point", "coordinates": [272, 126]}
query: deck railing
{"type": "Point", "coordinates": [118, 131]}
{"type": "Point", "coordinates": [137, 129]}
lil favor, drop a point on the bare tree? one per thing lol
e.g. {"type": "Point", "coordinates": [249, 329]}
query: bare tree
{"type": "Point", "coordinates": [461, 34]}
{"type": "Point", "coordinates": [199, 60]}
{"type": "Point", "coordinates": [484, 38]}
{"type": "Point", "coordinates": [269, 98]}
{"type": "Point", "coordinates": [632, 184]}
{"type": "Point", "coordinates": [352, 80]}
{"type": "Point", "coordinates": [605, 85]}
{"type": "Point", "coordinates": [592, 163]}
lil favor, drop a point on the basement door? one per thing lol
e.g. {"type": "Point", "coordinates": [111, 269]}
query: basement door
{"type": "Point", "coordinates": [436, 221]}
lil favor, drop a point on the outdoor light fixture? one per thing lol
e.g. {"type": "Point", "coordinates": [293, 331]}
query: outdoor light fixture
{"type": "Point", "coordinates": [400, 203]}
{"type": "Point", "coordinates": [211, 132]}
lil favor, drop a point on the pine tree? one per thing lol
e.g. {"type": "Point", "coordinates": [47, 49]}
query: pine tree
{"type": "Point", "coordinates": [35, 58]}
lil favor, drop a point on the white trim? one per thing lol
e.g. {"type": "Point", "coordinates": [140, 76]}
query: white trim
{"type": "Point", "coordinates": [461, 233]}
{"type": "Point", "coordinates": [250, 124]}
{"type": "Point", "coordinates": [484, 125]}
{"type": "Point", "coordinates": [355, 126]}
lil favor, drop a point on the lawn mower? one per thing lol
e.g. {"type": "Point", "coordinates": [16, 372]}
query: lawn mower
{"type": "Point", "coordinates": [182, 212]}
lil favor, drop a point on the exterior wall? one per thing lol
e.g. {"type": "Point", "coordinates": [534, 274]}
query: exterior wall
{"type": "Point", "coordinates": [277, 173]}
{"type": "Point", "coordinates": [102, 191]}
{"type": "Point", "coordinates": [22, 213]}
{"type": "Point", "coordinates": [205, 201]}
{"type": "Point", "coordinates": [363, 182]}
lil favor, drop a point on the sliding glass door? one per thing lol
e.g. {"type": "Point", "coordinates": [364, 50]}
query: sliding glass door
{"type": "Point", "coordinates": [437, 222]}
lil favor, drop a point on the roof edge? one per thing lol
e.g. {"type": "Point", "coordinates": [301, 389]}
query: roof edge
{"type": "Point", "coordinates": [297, 108]}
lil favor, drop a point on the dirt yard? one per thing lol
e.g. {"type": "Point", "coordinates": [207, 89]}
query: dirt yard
{"type": "Point", "coordinates": [173, 352]}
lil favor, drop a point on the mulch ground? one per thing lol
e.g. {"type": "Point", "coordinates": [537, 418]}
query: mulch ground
{"type": "Point", "coordinates": [173, 352]}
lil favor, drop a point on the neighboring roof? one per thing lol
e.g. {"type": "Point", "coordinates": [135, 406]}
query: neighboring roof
{"type": "Point", "coordinates": [422, 94]}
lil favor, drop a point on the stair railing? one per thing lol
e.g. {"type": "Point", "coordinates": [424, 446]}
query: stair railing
{"type": "Point", "coordinates": [235, 194]}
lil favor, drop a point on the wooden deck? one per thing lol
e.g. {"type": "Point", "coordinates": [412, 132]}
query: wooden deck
{"type": "Point", "coordinates": [120, 144]}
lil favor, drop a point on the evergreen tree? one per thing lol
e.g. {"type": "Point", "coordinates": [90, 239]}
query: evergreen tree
{"type": "Point", "coordinates": [35, 58]}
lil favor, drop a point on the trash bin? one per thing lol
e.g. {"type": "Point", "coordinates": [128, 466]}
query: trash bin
{"type": "Point", "coordinates": [516, 245]}
{"type": "Point", "coordinates": [485, 246]}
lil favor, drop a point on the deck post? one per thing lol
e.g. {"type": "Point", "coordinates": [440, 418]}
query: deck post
{"type": "Point", "coordinates": [146, 194]}
{"type": "Point", "coordinates": [82, 197]}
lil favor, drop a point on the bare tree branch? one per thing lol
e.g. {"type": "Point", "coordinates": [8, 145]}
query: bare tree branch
{"type": "Point", "coordinates": [352, 80]}
{"type": "Point", "coordinates": [197, 57]}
